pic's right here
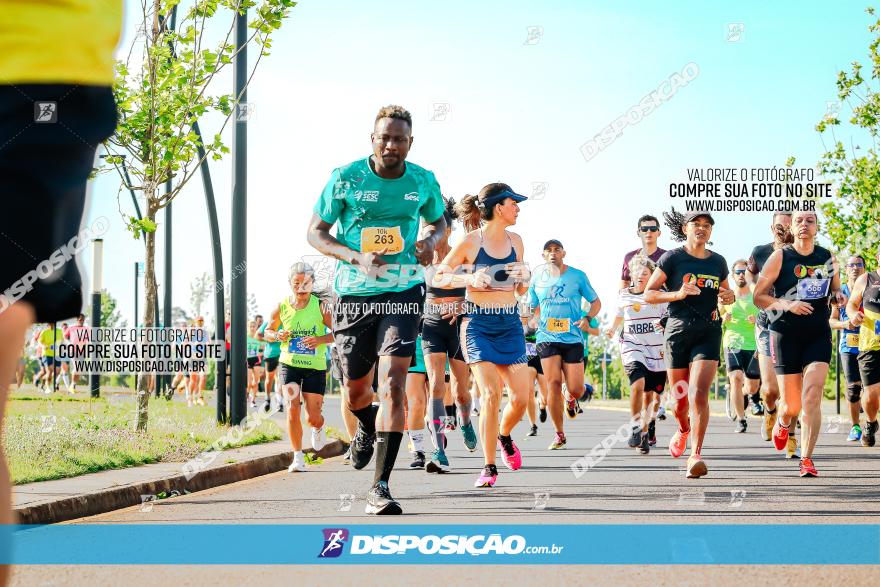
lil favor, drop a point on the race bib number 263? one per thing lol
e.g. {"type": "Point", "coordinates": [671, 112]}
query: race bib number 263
{"type": "Point", "coordinates": [379, 238]}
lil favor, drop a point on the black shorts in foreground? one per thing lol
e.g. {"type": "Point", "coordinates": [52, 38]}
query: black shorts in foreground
{"type": "Point", "coordinates": [535, 363]}
{"type": "Point", "coordinates": [571, 352]}
{"type": "Point", "coordinates": [746, 361]}
{"type": "Point", "coordinates": [793, 351]}
{"type": "Point", "coordinates": [654, 380]}
{"type": "Point", "coordinates": [697, 340]}
{"type": "Point", "coordinates": [439, 336]}
{"type": "Point", "coordinates": [849, 363]}
{"type": "Point", "coordinates": [869, 367]}
{"type": "Point", "coordinates": [44, 167]}
{"type": "Point", "coordinates": [253, 362]}
{"type": "Point", "coordinates": [368, 327]}
{"type": "Point", "coordinates": [270, 363]}
{"type": "Point", "coordinates": [308, 380]}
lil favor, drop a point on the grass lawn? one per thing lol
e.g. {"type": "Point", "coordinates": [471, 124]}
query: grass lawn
{"type": "Point", "coordinates": [52, 437]}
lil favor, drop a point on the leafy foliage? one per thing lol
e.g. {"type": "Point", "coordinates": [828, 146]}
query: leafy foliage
{"type": "Point", "coordinates": [162, 88]}
{"type": "Point", "coordinates": [852, 217]}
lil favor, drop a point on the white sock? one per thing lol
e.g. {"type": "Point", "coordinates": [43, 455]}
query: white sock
{"type": "Point", "coordinates": [64, 380]}
{"type": "Point", "coordinates": [418, 440]}
{"type": "Point", "coordinates": [298, 453]}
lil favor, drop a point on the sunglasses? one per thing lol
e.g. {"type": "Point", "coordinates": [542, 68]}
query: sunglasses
{"type": "Point", "coordinates": [649, 228]}
{"type": "Point", "coordinates": [859, 265]}
{"type": "Point", "coordinates": [739, 271]}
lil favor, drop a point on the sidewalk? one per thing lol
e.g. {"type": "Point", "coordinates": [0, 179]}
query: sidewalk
{"type": "Point", "coordinates": [49, 502]}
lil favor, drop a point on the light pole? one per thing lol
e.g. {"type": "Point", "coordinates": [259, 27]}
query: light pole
{"type": "Point", "coordinates": [97, 280]}
{"type": "Point", "coordinates": [238, 334]}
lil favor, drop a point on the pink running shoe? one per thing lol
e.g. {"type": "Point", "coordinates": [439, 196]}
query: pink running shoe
{"type": "Point", "coordinates": [487, 477]}
{"type": "Point", "coordinates": [510, 453]}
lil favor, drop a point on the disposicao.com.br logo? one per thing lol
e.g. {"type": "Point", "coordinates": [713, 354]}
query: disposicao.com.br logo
{"type": "Point", "coordinates": [453, 544]}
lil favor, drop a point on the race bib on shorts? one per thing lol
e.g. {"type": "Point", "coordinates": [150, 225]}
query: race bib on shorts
{"type": "Point", "coordinates": [813, 288]}
{"type": "Point", "coordinates": [295, 346]}
{"type": "Point", "coordinates": [557, 325]}
{"type": "Point", "coordinates": [531, 349]}
{"type": "Point", "coordinates": [877, 327]}
{"type": "Point", "coordinates": [377, 238]}
{"type": "Point", "coordinates": [852, 339]}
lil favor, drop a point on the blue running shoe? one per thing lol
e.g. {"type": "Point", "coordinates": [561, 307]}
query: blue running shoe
{"type": "Point", "coordinates": [855, 434]}
{"type": "Point", "coordinates": [470, 436]}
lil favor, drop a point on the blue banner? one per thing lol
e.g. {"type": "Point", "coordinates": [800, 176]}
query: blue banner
{"type": "Point", "coordinates": [94, 544]}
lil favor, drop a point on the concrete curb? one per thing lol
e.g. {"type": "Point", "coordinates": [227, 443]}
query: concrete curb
{"type": "Point", "coordinates": [80, 506]}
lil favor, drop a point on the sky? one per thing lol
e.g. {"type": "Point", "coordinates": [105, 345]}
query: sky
{"type": "Point", "coordinates": [509, 91]}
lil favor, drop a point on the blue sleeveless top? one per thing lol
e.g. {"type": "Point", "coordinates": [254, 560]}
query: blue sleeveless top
{"type": "Point", "coordinates": [499, 277]}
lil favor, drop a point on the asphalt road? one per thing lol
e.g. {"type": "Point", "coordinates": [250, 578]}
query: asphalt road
{"type": "Point", "coordinates": [748, 482]}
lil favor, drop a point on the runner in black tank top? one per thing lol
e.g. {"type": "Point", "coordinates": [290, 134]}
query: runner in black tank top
{"type": "Point", "coordinates": [698, 280]}
{"type": "Point", "coordinates": [780, 228]}
{"type": "Point", "coordinates": [795, 288]}
{"type": "Point", "coordinates": [866, 293]}
{"type": "Point", "coordinates": [441, 345]}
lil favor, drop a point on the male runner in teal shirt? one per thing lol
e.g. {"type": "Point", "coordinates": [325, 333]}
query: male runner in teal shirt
{"type": "Point", "coordinates": [376, 203]}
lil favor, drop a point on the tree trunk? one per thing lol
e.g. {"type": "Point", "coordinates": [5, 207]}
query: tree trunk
{"type": "Point", "coordinates": [151, 293]}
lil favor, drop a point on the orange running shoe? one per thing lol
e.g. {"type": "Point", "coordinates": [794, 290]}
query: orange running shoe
{"type": "Point", "coordinates": [678, 443]}
{"type": "Point", "coordinates": [807, 468]}
{"type": "Point", "coordinates": [780, 435]}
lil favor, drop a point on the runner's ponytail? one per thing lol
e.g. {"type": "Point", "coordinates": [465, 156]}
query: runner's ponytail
{"type": "Point", "coordinates": [468, 212]}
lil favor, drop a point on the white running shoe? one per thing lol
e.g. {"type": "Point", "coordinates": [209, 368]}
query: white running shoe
{"type": "Point", "coordinates": [298, 464]}
{"type": "Point", "coordinates": [319, 439]}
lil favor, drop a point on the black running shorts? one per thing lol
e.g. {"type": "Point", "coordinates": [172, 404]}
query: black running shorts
{"type": "Point", "coordinates": [793, 351]}
{"type": "Point", "coordinates": [439, 336]}
{"type": "Point", "coordinates": [44, 167]}
{"type": "Point", "coordinates": [746, 361]}
{"type": "Point", "coordinates": [849, 363]}
{"type": "Point", "coordinates": [694, 341]}
{"type": "Point", "coordinates": [571, 352]}
{"type": "Point", "coordinates": [308, 380]}
{"type": "Point", "coordinates": [368, 327]}
{"type": "Point", "coordinates": [654, 380]}
{"type": "Point", "coordinates": [869, 367]}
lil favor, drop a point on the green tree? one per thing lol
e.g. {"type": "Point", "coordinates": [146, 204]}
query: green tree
{"type": "Point", "coordinates": [162, 88]}
{"type": "Point", "coordinates": [600, 346]}
{"type": "Point", "coordinates": [851, 218]}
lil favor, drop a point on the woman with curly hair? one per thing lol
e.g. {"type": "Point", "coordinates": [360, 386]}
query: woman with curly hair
{"type": "Point", "coordinates": [696, 280]}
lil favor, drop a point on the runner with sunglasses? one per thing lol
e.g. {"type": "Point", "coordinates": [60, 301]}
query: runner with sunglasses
{"type": "Point", "coordinates": [864, 307]}
{"type": "Point", "coordinates": [648, 231]}
{"type": "Point", "coordinates": [849, 347]}
{"type": "Point", "coordinates": [738, 323]}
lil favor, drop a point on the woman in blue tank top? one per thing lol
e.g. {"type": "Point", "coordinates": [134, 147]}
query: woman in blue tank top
{"type": "Point", "coordinates": [488, 262]}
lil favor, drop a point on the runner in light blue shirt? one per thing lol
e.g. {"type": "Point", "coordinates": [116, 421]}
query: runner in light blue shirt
{"type": "Point", "coordinates": [555, 294]}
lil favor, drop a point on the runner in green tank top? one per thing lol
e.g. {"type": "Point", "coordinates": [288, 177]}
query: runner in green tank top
{"type": "Point", "coordinates": [301, 325]}
{"type": "Point", "coordinates": [738, 324]}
